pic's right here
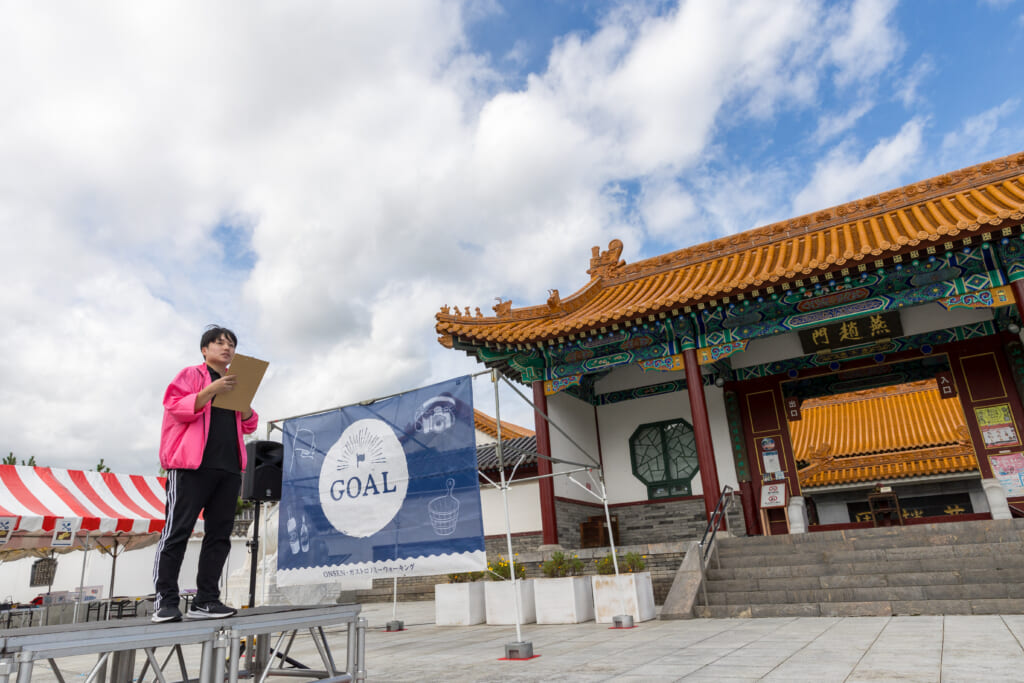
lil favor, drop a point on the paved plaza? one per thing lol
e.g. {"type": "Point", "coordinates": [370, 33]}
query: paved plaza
{"type": "Point", "coordinates": [820, 649]}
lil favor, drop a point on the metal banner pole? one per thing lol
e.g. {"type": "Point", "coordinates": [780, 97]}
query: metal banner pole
{"type": "Point", "coordinates": [263, 564]}
{"type": "Point", "coordinates": [395, 624]}
{"type": "Point", "coordinates": [608, 521]}
{"type": "Point", "coordinates": [254, 546]}
{"type": "Point", "coordinates": [518, 649]}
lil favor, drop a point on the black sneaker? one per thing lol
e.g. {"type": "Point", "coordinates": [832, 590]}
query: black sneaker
{"type": "Point", "coordinates": [210, 610]}
{"type": "Point", "coordinates": [166, 614]}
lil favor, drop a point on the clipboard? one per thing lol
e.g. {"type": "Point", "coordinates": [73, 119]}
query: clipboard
{"type": "Point", "coordinates": [248, 372]}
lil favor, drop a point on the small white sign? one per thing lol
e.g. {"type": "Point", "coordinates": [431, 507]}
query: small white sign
{"type": "Point", "coordinates": [64, 533]}
{"type": "Point", "coordinates": [7, 527]}
{"type": "Point", "coordinates": [773, 495]}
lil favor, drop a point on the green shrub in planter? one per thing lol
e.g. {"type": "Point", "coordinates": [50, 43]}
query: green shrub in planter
{"type": "Point", "coordinates": [465, 577]}
{"type": "Point", "coordinates": [559, 565]}
{"type": "Point", "coordinates": [628, 563]}
{"type": "Point", "coordinates": [502, 570]}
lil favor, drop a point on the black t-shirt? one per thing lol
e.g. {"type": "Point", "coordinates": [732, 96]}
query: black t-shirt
{"type": "Point", "coordinates": [221, 451]}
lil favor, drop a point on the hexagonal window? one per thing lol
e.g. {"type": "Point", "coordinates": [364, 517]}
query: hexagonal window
{"type": "Point", "coordinates": [664, 457]}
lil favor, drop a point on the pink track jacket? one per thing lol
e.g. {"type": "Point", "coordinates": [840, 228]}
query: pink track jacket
{"type": "Point", "coordinates": [184, 433]}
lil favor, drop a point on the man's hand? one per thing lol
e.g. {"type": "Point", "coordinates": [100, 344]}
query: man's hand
{"type": "Point", "coordinates": [221, 386]}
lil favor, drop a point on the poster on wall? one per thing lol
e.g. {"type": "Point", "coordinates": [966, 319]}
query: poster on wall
{"type": "Point", "coordinates": [385, 489]}
{"type": "Point", "coordinates": [773, 495]}
{"type": "Point", "coordinates": [1009, 470]}
{"type": "Point", "coordinates": [996, 425]}
{"type": "Point", "coordinates": [770, 459]}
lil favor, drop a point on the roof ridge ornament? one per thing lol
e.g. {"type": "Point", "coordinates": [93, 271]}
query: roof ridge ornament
{"type": "Point", "coordinates": [554, 301]}
{"type": "Point", "coordinates": [605, 263]}
{"type": "Point", "coordinates": [503, 308]}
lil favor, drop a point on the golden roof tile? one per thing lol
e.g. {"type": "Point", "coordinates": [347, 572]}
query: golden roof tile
{"type": "Point", "coordinates": [929, 212]}
{"type": "Point", "coordinates": [906, 430]}
{"type": "Point", "coordinates": [489, 426]}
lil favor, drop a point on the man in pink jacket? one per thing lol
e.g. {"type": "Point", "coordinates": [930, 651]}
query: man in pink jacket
{"type": "Point", "coordinates": [201, 448]}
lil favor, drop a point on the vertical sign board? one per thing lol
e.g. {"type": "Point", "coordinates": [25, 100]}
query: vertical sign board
{"type": "Point", "coordinates": [947, 387]}
{"type": "Point", "coordinates": [793, 409]}
{"type": "Point", "coordinates": [382, 490]}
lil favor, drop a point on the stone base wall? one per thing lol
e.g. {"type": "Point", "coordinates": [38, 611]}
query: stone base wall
{"type": "Point", "coordinates": [652, 522]}
{"type": "Point", "coordinates": [657, 531]}
{"type": "Point", "coordinates": [661, 559]}
{"type": "Point", "coordinates": [497, 546]}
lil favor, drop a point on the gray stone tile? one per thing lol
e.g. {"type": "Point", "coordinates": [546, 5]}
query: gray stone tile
{"type": "Point", "coordinates": [923, 648]}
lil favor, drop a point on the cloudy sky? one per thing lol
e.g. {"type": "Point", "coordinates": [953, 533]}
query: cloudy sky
{"type": "Point", "coordinates": [323, 176]}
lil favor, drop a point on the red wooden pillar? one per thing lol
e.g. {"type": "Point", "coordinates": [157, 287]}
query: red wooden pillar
{"type": "Point", "coordinates": [702, 432]}
{"type": "Point", "coordinates": [548, 521]}
{"type": "Point", "coordinates": [1018, 294]}
{"type": "Point", "coordinates": [750, 509]}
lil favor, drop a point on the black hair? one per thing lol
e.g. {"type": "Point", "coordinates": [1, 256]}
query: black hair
{"type": "Point", "coordinates": [213, 333]}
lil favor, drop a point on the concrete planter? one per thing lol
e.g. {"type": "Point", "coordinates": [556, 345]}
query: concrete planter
{"type": "Point", "coordinates": [459, 604]}
{"type": "Point", "coordinates": [501, 608]}
{"type": "Point", "coordinates": [631, 594]}
{"type": "Point", "coordinates": [564, 600]}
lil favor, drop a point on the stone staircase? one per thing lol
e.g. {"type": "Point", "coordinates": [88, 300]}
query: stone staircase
{"type": "Point", "coordinates": [955, 568]}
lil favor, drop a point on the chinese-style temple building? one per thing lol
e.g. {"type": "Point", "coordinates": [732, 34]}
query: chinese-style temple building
{"type": "Point", "coordinates": [872, 346]}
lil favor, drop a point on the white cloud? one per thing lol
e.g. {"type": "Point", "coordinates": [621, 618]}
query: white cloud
{"type": "Point", "coordinates": [983, 135]}
{"type": "Point", "coordinates": [843, 176]}
{"type": "Point", "coordinates": [907, 90]}
{"type": "Point", "coordinates": [866, 42]}
{"type": "Point", "coordinates": [741, 198]}
{"type": "Point", "coordinates": [665, 207]}
{"type": "Point", "coordinates": [831, 126]}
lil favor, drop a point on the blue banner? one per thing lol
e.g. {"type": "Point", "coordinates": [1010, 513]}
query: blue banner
{"type": "Point", "coordinates": [381, 490]}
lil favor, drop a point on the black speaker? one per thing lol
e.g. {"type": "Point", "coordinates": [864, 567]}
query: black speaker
{"type": "Point", "coordinates": [262, 477]}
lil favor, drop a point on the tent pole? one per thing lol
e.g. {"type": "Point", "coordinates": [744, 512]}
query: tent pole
{"type": "Point", "coordinates": [113, 572]}
{"type": "Point", "coordinates": [81, 580]}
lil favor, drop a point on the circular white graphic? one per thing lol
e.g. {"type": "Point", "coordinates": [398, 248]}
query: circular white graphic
{"type": "Point", "coordinates": [364, 479]}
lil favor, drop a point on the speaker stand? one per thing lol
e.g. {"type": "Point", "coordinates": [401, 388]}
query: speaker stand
{"type": "Point", "coordinates": [254, 545]}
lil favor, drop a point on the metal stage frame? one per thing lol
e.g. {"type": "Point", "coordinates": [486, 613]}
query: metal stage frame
{"type": "Point", "coordinates": [117, 642]}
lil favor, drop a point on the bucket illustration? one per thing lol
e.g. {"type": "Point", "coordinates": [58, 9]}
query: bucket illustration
{"type": "Point", "coordinates": [444, 511]}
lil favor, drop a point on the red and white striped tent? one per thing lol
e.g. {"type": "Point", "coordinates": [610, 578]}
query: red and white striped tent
{"type": "Point", "coordinates": [102, 506]}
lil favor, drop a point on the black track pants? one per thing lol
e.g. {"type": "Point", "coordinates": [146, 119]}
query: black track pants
{"type": "Point", "coordinates": [214, 492]}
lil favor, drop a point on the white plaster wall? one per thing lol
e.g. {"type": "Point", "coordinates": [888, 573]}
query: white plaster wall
{"type": "Point", "coordinates": [577, 419]}
{"type": "Point", "coordinates": [523, 505]}
{"type": "Point", "coordinates": [617, 423]}
{"type": "Point", "coordinates": [134, 572]}
{"type": "Point", "coordinates": [630, 376]}
{"type": "Point", "coordinates": [929, 317]}
{"type": "Point", "coordinates": [619, 420]}
{"type": "Point", "coordinates": [768, 350]}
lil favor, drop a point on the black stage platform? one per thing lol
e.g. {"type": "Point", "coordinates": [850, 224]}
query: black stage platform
{"type": "Point", "coordinates": [116, 643]}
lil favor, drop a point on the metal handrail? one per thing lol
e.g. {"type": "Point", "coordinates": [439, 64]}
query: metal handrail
{"type": "Point", "coordinates": [707, 544]}
{"type": "Point", "coordinates": [716, 517]}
